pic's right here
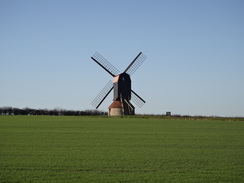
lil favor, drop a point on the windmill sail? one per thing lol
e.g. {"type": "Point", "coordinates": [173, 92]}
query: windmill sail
{"type": "Point", "coordinates": [106, 65]}
{"type": "Point", "coordinates": [103, 94]}
{"type": "Point", "coordinates": [135, 64]}
{"type": "Point", "coordinates": [137, 99]}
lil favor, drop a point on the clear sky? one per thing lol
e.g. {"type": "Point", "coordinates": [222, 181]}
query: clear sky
{"type": "Point", "coordinates": [194, 49]}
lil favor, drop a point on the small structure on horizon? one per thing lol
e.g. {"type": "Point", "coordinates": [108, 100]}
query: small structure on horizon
{"type": "Point", "coordinates": [121, 85]}
{"type": "Point", "coordinates": [168, 113]}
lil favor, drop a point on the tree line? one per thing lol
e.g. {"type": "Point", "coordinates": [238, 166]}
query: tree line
{"type": "Point", "coordinates": [52, 112]}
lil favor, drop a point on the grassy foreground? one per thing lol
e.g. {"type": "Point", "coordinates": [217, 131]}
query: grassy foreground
{"type": "Point", "coordinates": [86, 149]}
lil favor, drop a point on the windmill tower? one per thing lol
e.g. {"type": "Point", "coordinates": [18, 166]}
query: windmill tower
{"type": "Point", "coordinates": [121, 85]}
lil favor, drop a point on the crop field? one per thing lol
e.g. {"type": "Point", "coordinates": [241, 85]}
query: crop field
{"type": "Point", "coordinates": [120, 150]}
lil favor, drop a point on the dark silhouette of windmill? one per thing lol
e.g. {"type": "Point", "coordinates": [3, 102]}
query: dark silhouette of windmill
{"type": "Point", "coordinates": [121, 85]}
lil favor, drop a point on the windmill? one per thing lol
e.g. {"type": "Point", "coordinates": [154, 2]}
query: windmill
{"type": "Point", "coordinates": [121, 85]}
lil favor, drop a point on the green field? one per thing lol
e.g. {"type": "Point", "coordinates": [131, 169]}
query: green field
{"type": "Point", "coordinates": [128, 150]}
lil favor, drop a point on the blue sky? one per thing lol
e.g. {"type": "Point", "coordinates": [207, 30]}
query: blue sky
{"type": "Point", "coordinates": [194, 49]}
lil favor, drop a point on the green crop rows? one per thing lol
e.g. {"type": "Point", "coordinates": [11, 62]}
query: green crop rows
{"type": "Point", "coordinates": [128, 150]}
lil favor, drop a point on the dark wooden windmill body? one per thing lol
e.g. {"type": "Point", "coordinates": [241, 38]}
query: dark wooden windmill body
{"type": "Point", "coordinates": [121, 85]}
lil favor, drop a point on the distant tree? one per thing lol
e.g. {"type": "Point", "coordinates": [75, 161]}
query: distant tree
{"type": "Point", "coordinates": [56, 111]}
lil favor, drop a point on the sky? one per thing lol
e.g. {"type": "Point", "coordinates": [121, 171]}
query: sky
{"type": "Point", "coordinates": [194, 49]}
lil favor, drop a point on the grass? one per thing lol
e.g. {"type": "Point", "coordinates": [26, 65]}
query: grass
{"type": "Point", "coordinates": [128, 150]}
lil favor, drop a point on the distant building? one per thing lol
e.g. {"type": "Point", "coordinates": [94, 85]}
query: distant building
{"type": "Point", "coordinates": [168, 113]}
